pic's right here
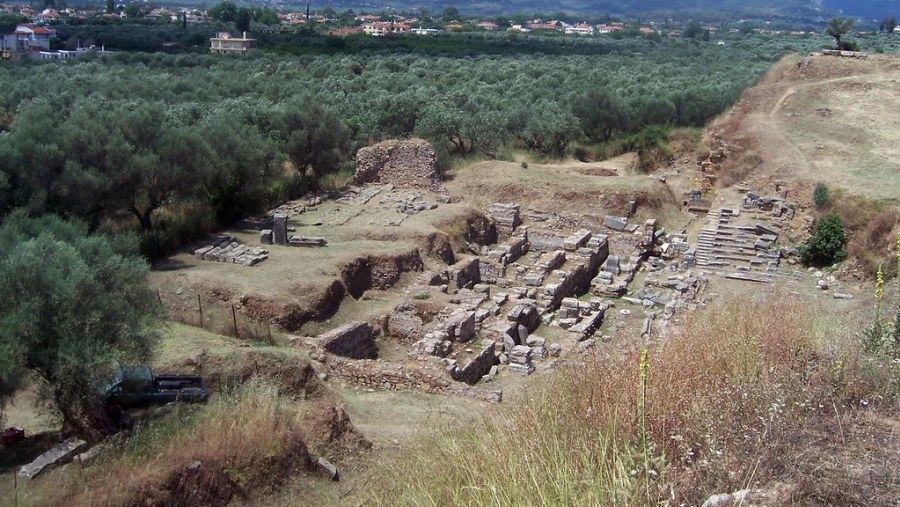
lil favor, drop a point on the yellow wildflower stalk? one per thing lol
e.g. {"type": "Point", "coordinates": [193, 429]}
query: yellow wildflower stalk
{"type": "Point", "coordinates": [879, 292]}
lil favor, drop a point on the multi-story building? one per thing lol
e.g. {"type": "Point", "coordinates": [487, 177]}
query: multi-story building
{"type": "Point", "coordinates": [26, 41]}
{"type": "Point", "coordinates": [224, 43]}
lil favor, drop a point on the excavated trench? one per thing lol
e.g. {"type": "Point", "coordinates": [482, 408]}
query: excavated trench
{"type": "Point", "coordinates": [363, 273]}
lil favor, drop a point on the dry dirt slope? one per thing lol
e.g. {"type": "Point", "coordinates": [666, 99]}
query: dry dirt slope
{"type": "Point", "coordinates": [823, 118]}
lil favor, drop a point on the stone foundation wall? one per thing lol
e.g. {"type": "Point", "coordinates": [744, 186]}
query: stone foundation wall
{"type": "Point", "coordinates": [464, 273]}
{"type": "Point", "coordinates": [478, 367]}
{"type": "Point", "coordinates": [577, 280]}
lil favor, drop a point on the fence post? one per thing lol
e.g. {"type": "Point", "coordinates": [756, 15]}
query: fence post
{"type": "Point", "coordinates": [200, 306]}
{"type": "Point", "coordinates": [234, 319]}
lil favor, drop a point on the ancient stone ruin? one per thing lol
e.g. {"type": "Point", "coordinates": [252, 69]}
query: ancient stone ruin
{"type": "Point", "coordinates": [483, 315]}
{"type": "Point", "coordinates": [353, 340]}
{"type": "Point", "coordinates": [278, 235]}
{"type": "Point", "coordinates": [407, 163]}
{"type": "Point", "coordinates": [227, 249]}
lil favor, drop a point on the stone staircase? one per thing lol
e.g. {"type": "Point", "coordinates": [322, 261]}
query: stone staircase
{"type": "Point", "coordinates": [735, 250]}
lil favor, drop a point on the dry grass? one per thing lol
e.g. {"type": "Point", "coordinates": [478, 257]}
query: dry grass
{"type": "Point", "coordinates": [737, 169]}
{"type": "Point", "coordinates": [241, 445]}
{"type": "Point", "coordinates": [560, 187]}
{"type": "Point", "coordinates": [684, 141]}
{"type": "Point", "coordinates": [722, 393]}
{"type": "Point", "coordinates": [873, 227]}
{"type": "Point", "coordinates": [823, 119]}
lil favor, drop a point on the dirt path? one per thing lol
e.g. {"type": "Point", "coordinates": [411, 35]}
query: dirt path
{"type": "Point", "coordinates": [826, 119]}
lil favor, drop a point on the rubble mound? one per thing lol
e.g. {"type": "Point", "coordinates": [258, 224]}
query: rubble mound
{"type": "Point", "coordinates": [404, 163]}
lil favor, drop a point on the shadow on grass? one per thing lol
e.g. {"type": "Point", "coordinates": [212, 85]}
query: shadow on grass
{"type": "Point", "coordinates": [27, 450]}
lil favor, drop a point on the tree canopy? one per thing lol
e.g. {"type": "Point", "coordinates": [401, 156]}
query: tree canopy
{"type": "Point", "coordinates": [825, 245]}
{"type": "Point", "coordinates": [170, 145]}
{"type": "Point", "coordinates": [837, 28]}
{"type": "Point", "coordinates": [75, 305]}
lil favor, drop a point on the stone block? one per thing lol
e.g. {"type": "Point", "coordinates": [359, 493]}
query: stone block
{"type": "Point", "coordinates": [526, 314]}
{"type": "Point", "coordinates": [354, 340]}
{"type": "Point", "coordinates": [279, 229]}
{"type": "Point", "coordinates": [534, 280]}
{"type": "Point", "coordinates": [763, 229]}
{"type": "Point", "coordinates": [460, 325]}
{"type": "Point", "coordinates": [308, 241]}
{"type": "Point", "coordinates": [58, 455]}
{"type": "Point", "coordinates": [577, 240]}
{"type": "Point", "coordinates": [465, 273]}
{"type": "Point", "coordinates": [761, 245]}
{"type": "Point", "coordinates": [522, 333]}
{"type": "Point", "coordinates": [612, 265]}
{"type": "Point", "coordinates": [535, 341]}
{"type": "Point", "coordinates": [615, 223]}
{"type": "Point", "coordinates": [265, 236]}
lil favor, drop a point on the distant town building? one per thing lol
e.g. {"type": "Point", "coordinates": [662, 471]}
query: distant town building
{"type": "Point", "coordinates": [224, 43]}
{"type": "Point", "coordinates": [27, 41]}
{"type": "Point", "coordinates": [580, 29]}
{"type": "Point", "coordinates": [63, 54]}
{"type": "Point", "coordinates": [380, 29]}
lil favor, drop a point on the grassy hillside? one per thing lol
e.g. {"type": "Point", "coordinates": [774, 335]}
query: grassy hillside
{"type": "Point", "coordinates": [763, 395]}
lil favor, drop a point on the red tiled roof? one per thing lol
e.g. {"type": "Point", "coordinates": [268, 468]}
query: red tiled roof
{"type": "Point", "coordinates": [37, 30]}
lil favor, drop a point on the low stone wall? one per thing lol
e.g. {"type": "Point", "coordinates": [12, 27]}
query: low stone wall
{"type": "Point", "coordinates": [464, 273]}
{"type": "Point", "coordinates": [478, 367]}
{"type": "Point", "coordinates": [585, 263]}
{"type": "Point", "coordinates": [543, 241]}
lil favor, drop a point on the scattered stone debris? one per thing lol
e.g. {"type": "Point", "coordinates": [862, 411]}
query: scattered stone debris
{"type": "Point", "coordinates": [227, 249]}
{"type": "Point", "coordinates": [776, 205]}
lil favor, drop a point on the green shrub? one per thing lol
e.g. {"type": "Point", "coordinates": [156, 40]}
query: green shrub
{"type": "Point", "coordinates": [820, 196]}
{"type": "Point", "coordinates": [826, 244]}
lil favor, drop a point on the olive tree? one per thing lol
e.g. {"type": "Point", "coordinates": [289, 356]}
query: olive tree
{"type": "Point", "coordinates": [75, 305]}
{"type": "Point", "coordinates": [837, 28]}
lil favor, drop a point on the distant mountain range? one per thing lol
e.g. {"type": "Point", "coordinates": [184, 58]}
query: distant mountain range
{"type": "Point", "coordinates": [803, 9]}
